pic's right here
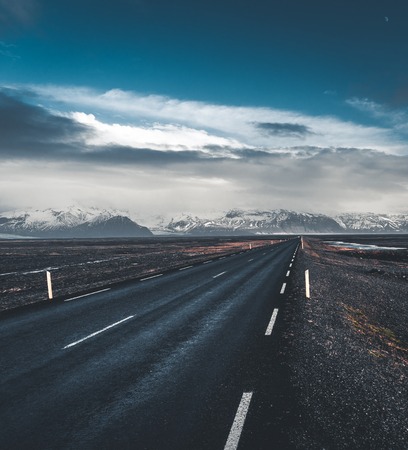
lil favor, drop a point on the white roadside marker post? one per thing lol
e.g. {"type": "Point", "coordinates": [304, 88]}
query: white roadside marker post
{"type": "Point", "coordinates": [307, 282]}
{"type": "Point", "coordinates": [49, 285]}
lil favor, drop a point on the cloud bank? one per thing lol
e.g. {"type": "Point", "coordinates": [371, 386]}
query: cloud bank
{"type": "Point", "coordinates": [240, 123]}
{"type": "Point", "coordinates": [157, 155]}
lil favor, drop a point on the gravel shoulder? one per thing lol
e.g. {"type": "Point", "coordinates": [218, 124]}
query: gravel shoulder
{"type": "Point", "coordinates": [345, 350]}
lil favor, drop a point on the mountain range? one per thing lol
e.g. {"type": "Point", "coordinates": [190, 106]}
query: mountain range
{"type": "Point", "coordinates": [78, 222]}
{"type": "Point", "coordinates": [71, 223]}
{"type": "Point", "coordinates": [284, 221]}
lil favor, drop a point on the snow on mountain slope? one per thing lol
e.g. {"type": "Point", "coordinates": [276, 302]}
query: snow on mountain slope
{"type": "Point", "coordinates": [92, 222]}
{"type": "Point", "coordinates": [73, 222]}
{"type": "Point", "coordinates": [283, 221]}
{"type": "Point", "coordinates": [256, 222]}
{"type": "Point", "coordinates": [377, 223]}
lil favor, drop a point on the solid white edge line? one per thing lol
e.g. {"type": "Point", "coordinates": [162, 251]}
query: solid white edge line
{"type": "Point", "coordinates": [283, 288]}
{"type": "Point", "coordinates": [86, 295]}
{"type": "Point", "coordinates": [269, 329]}
{"type": "Point", "coordinates": [153, 276]}
{"type": "Point", "coordinates": [188, 267]}
{"type": "Point", "coordinates": [239, 420]}
{"type": "Point", "coordinates": [97, 332]}
{"type": "Point", "coordinates": [222, 273]}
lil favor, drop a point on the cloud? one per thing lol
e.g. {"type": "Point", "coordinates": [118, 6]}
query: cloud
{"type": "Point", "coordinates": [32, 131]}
{"type": "Point", "coordinates": [367, 106]}
{"type": "Point", "coordinates": [52, 156]}
{"type": "Point", "coordinates": [231, 122]}
{"type": "Point", "coordinates": [379, 111]}
{"type": "Point", "coordinates": [397, 119]}
{"type": "Point", "coordinates": [156, 136]}
{"type": "Point", "coordinates": [29, 131]}
{"type": "Point", "coordinates": [283, 129]}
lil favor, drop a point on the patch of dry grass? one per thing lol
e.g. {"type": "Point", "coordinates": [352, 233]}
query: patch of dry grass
{"type": "Point", "coordinates": [383, 341]}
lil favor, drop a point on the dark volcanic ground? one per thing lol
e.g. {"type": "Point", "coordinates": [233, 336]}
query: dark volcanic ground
{"type": "Point", "coordinates": [345, 350]}
{"type": "Point", "coordinates": [341, 375]}
{"type": "Point", "coordinates": [83, 265]}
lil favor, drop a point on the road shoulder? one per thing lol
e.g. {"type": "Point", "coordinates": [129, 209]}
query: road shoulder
{"type": "Point", "coordinates": [346, 352]}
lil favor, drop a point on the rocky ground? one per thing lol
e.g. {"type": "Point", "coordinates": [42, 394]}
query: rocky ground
{"type": "Point", "coordinates": [345, 350]}
{"type": "Point", "coordinates": [81, 265]}
{"type": "Point", "coordinates": [343, 361]}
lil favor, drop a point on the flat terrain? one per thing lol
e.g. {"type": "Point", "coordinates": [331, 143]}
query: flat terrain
{"type": "Point", "coordinates": [221, 350]}
{"type": "Point", "coordinates": [80, 265]}
{"type": "Point", "coordinates": [346, 348]}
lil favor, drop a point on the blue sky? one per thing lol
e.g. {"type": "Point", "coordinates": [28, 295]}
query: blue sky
{"type": "Point", "coordinates": [168, 107]}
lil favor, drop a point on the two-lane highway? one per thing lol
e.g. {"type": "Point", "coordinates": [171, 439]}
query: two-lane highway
{"type": "Point", "coordinates": [175, 360]}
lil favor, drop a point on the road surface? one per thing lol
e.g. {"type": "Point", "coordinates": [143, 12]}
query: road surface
{"type": "Point", "coordinates": [179, 360]}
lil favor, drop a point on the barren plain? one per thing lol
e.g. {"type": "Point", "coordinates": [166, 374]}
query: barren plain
{"type": "Point", "coordinates": [342, 367]}
{"type": "Point", "coordinates": [345, 350]}
{"type": "Point", "coordinates": [81, 265]}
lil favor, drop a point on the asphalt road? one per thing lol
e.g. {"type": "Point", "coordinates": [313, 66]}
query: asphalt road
{"type": "Point", "coordinates": [184, 360]}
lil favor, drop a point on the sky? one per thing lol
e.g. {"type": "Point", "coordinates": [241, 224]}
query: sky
{"type": "Point", "coordinates": [164, 108]}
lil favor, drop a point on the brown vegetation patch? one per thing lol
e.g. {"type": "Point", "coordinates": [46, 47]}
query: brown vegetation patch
{"type": "Point", "coordinates": [383, 340]}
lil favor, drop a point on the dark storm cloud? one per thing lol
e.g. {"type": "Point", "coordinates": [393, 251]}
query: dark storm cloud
{"type": "Point", "coordinates": [283, 129]}
{"type": "Point", "coordinates": [120, 155]}
{"type": "Point", "coordinates": [31, 131]}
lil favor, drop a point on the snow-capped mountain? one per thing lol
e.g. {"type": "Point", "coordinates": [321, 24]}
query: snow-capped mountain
{"type": "Point", "coordinates": [256, 222]}
{"type": "Point", "coordinates": [284, 221]}
{"type": "Point", "coordinates": [374, 223]}
{"type": "Point", "coordinates": [74, 222]}
{"type": "Point", "coordinates": [78, 222]}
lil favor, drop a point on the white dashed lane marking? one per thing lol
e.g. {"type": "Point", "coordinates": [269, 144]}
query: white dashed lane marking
{"type": "Point", "coordinates": [239, 420]}
{"type": "Point", "coordinates": [222, 273]}
{"type": "Point", "coordinates": [97, 332]}
{"type": "Point", "coordinates": [282, 291]}
{"type": "Point", "coordinates": [153, 276]}
{"type": "Point", "coordinates": [86, 295]}
{"type": "Point", "coordinates": [268, 331]}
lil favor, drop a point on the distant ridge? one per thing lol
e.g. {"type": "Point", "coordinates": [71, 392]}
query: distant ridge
{"type": "Point", "coordinates": [77, 222]}
{"type": "Point", "coordinates": [285, 221]}
{"type": "Point", "coordinates": [71, 223]}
